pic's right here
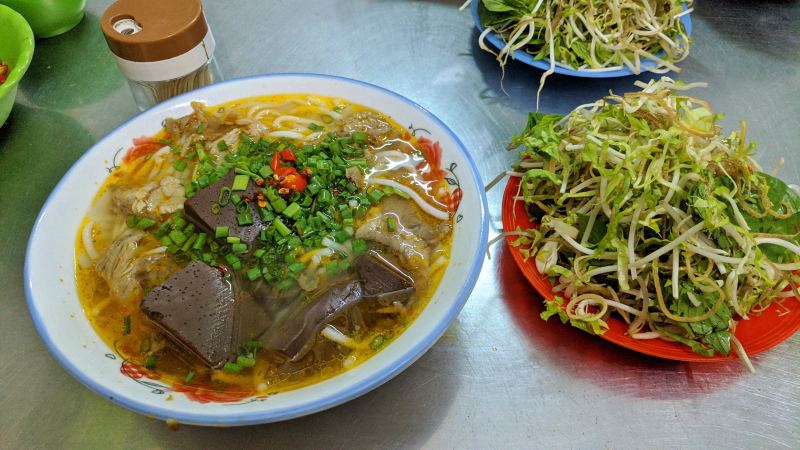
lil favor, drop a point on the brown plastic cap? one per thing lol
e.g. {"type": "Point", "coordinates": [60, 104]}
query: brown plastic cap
{"type": "Point", "coordinates": [156, 29]}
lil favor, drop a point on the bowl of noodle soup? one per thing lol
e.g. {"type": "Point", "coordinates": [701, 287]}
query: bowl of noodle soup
{"type": "Point", "coordinates": [109, 328]}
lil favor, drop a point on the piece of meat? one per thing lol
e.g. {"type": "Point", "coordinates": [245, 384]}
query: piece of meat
{"type": "Point", "coordinates": [198, 210]}
{"type": "Point", "coordinates": [415, 234]}
{"type": "Point", "coordinates": [231, 140]}
{"type": "Point", "coordinates": [296, 332]}
{"type": "Point", "coordinates": [413, 250]}
{"type": "Point", "coordinates": [416, 221]}
{"type": "Point", "coordinates": [414, 253]}
{"type": "Point", "coordinates": [152, 270]}
{"type": "Point", "coordinates": [373, 125]}
{"type": "Point", "coordinates": [382, 280]}
{"type": "Point", "coordinates": [151, 200]}
{"type": "Point", "coordinates": [356, 175]}
{"type": "Point", "coordinates": [118, 266]}
{"type": "Point", "coordinates": [196, 308]}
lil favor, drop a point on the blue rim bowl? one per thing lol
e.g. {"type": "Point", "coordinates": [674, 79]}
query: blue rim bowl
{"type": "Point", "coordinates": [77, 347]}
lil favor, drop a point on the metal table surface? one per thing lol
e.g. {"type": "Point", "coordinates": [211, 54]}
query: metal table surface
{"type": "Point", "coordinates": [500, 377]}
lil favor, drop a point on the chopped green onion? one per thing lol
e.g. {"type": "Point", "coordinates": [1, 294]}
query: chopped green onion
{"type": "Point", "coordinates": [201, 128]}
{"type": "Point", "coordinates": [285, 284]}
{"type": "Point", "coordinates": [140, 222]}
{"type": "Point", "coordinates": [292, 210]}
{"type": "Point", "coordinates": [297, 267]}
{"type": "Point", "coordinates": [179, 165]}
{"type": "Point", "coordinates": [201, 151]}
{"type": "Point", "coordinates": [244, 218]}
{"type": "Point", "coordinates": [242, 171]}
{"type": "Point", "coordinates": [224, 196]}
{"type": "Point", "coordinates": [131, 221]}
{"type": "Point", "coordinates": [126, 325]}
{"type": "Point", "coordinates": [240, 182]}
{"type": "Point", "coordinates": [265, 172]}
{"type": "Point", "coordinates": [239, 248]}
{"type": "Point", "coordinates": [220, 232]}
{"type": "Point", "coordinates": [188, 244]}
{"type": "Point", "coordinates": [215, 208]}
{"type": "Point", "coordinates": [359, 246]}
{"type": "Point", "coordinates": [375, 196]}
{"type": "Point", "coordinates": [178, 221]}
{"type": "Point", "coordinates": [377, 342]}
{"type": "Point", "coordinates": [278, 204]}
{"type": "Point", "coordinates": [391, 224]}
{"type": "Point", "coordinates": [163, 230]}
{"type": "Point", "coordinates": [177, 237]}
{"type": "Point", "coordinates": [244, 361]}
{"type": "Point", "coordinates": [332, 268]}
{"type": "Point", "coordinates": [252, 345]}
{"type": "Point", "coordinates": [151, 361]}
{"type": "Point", "coordinates": [232, 367]}
{"type": "Point", "coordinates": [234, 261]}
{"type": "Point", "coordinates": [282, 229]}
{"type": "Point", "coordinates": [145, 223]}
{"type": "Point", "coordinates": [222, 145]}
{"type": "Point", "coordinates": [233, 239]}
{"type": "Point", "coordinates": [189, 377]}
{"type": "Point", "coordinates": [253, 274]}
{"type": "Point", "coordinates": [200, 241]}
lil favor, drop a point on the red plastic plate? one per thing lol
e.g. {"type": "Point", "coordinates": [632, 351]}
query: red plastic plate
{"type": "Point", "coordinates": [756, 334]}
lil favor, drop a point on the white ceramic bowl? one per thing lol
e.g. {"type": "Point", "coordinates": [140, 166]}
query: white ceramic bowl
{"type": "Point", "coordinates": [57, 313]}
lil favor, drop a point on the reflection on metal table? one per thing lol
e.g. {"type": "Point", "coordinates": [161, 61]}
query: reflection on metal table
{"type": "Point", "coordinates": [500, 377]}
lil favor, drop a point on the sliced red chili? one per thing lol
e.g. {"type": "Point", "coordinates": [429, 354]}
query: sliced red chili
{"type": "Point", "coordinates": [294, 181]}
{"type": "Point", "coordinates": [276, 162]}
{"type": "Point", "coordinates": [288, 155]}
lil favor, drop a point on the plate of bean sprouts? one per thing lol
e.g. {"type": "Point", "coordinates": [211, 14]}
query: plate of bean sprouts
{"type": "Point", "coordinates": [639, 221]}
{"type": "Point", "coordinates": [615, 39]}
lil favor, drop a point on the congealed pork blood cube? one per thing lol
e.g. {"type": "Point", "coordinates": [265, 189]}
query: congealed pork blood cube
{"type": "Point", "coordinates": [383, 280]}
{"type": "Point", "coordinates": [196, 308]}
{"type": "Point", "coordinates": [296, 333]}
{"type": "Point", "coordinates": [199, 210]}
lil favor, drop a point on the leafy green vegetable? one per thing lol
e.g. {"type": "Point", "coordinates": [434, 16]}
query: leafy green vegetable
{"type": "Point", "coordinates": [556, 307]}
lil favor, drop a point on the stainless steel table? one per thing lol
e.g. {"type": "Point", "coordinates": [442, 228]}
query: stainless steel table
{"type": "Point", "coordinates": [500, 377]}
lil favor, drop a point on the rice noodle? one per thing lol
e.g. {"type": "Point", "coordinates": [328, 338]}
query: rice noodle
{"type": "Point", "coordinates": [285, 134]}
{"type": "Point", "coordinates": [340, 248]}
{"type": "Point", "coordinates": [425, 206]}
{"type": "Point", "coordinates": [279, 120]}
{"type": "Point", "coordinates": [88, 241]}
{"type": "Point", "coordinates": [330, 332]}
